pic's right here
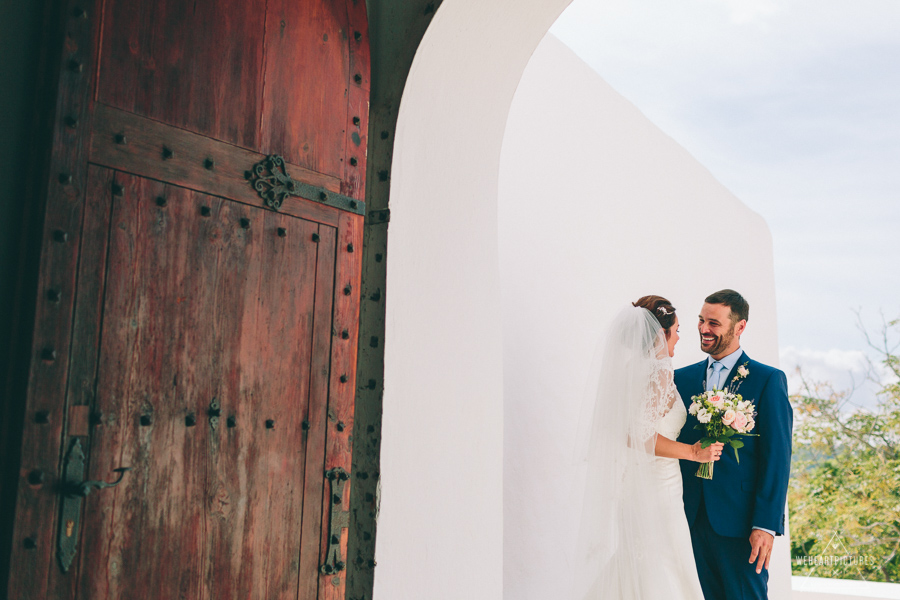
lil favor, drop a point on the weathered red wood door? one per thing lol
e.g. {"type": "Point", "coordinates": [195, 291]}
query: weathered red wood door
{"type": "Point", "coordinates": [199, 304]}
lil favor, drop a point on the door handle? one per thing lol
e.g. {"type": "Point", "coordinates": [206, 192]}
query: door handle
{"type": "Point", "coordinates": [81, 490]}
{"type": "Point", "coordinates": [74, 490]}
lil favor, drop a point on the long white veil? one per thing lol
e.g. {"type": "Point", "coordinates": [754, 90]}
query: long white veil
{"type": "Point", "coordinates": [622, 532]}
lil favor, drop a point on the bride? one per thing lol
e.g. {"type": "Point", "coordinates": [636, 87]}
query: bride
{"type": "Point", "coordinates": [634, 541]}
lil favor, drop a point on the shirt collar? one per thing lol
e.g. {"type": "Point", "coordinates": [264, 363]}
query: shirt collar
{"type": "Point", "coordinates": [728, 361]}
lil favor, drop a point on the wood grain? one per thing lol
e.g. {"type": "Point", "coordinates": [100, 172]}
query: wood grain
{"type": "Point", "coordinates": [353, 184]}
{"type": "Point", "coordinates": [315, 486]}
{"type": "Point", "coordinates": [338, 446]}
{"type": "Point", "coordinates": [179, 289]}
{"type": "Point", "coordinates": [229, 70]}
{"type": "Point", "coordinates": [85, 336]}
{"type": "Point", "coordinates": [34, 528]}
{"type": "Point", "coordinates": [142, 154]}
{"type": "Point", "coordinates": [196, 65]}
{"type": "Point", "coordinates": [304, 110]}
{"type": "Point", "coordinates": [200, 308]}
{"type": "Point", "coordinates": [358, 84]}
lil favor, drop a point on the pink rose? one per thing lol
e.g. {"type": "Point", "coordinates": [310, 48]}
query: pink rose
{"type": "Point", "coordinates": [716, 401]}
{"type": "Point", "coordinates": [728, 417]}
{"type": "Point", "coordinates": [740, 421]}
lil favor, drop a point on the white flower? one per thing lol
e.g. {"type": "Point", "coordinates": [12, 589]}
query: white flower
{"type": "Point", "coordinates": [703, 416]}
{"type": "Point", "coordinates": [743, 371]}
{"type": "Point", "coordinates": [694, 408]}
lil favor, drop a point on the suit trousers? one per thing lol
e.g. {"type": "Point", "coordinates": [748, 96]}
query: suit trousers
{"type": "Point", "coordinates": [723, 564]}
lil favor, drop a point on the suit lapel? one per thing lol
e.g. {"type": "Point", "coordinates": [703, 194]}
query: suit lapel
{"type": "Point", "coordinates": [701, 376]}
{"type": "Point", "coordinates": [744, 358]}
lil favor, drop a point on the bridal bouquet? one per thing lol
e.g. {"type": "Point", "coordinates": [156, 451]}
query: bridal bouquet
{"type": "Point", "coordinates": [724, 416]}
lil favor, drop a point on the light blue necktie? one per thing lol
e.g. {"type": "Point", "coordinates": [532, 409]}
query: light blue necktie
{"type": "Point", "coordinates": [714, 383]}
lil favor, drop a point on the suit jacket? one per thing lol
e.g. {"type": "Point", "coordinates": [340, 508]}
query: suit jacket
{"type": "Point", "coordinates": [752, 493]}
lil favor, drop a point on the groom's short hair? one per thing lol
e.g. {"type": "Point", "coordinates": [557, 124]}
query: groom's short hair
{"type": "Point", "coordinates": [740, 308]}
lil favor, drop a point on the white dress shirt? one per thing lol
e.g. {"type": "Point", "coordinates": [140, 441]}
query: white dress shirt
{"type": "Point", "coordinates": [728, 362]}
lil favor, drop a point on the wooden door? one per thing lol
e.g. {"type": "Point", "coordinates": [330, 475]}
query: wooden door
{"type": "Point", "coordinates": [199, 304]}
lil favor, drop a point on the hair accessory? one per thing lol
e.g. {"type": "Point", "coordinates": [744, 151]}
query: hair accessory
{"type": "Point", "coordinates": [664, 310]}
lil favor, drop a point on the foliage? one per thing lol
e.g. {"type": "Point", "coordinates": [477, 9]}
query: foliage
{"type": "Point", "coordinates": [844, 495]}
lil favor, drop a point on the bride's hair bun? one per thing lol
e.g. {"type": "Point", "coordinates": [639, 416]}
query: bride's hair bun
{"type": "Point", "coordinates": [661, 308]}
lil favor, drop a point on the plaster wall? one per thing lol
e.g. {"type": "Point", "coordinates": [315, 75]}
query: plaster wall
{"type": "Point", "coordinates": [598, 207]}
{"type": "Point", "coordinates": [440, 527]}
{"type": "Point", "coordinates": [475, 485]}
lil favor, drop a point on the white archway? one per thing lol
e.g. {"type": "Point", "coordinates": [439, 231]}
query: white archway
{"type": "Point", "coordinates": [441, 523]}
{"type": "Point", "coordinates": [440, 529]}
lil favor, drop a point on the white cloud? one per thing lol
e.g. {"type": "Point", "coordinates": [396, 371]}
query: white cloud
{"type": "Point", "coordinates": [842, 370]}
{"type": "Point", "coordinates": [795, 106]}
{"type": "Point", "coordinates": [824, 365]}
{"type": "Point", "coordinates": [751, 12]}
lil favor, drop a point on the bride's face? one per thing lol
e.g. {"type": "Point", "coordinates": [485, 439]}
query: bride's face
{"type": "Point", "coordinates": [673, 337]}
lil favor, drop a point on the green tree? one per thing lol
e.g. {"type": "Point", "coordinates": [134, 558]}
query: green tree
{"type": "Point", "coordinates": [844, 495]}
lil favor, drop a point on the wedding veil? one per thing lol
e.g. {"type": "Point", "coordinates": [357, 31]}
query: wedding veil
{"type": "Point", "coordinates": [622, 533]}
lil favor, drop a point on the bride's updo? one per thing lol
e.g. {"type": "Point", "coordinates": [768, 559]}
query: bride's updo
{"type": "Point", "coordinates": [661, 308]}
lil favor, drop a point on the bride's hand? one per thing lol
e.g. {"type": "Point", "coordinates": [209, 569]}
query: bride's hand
{"type": "Point", "coordinates": [709, 454]}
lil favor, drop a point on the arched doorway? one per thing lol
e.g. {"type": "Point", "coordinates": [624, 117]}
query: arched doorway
{"type": "Point", "coordinates": [440, 528]}
{"type": "Point", "coordinates": [445, 446]}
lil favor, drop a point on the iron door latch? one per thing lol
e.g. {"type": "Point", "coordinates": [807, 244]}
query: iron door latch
{"type": "Point", "coordinates": [74, 490]}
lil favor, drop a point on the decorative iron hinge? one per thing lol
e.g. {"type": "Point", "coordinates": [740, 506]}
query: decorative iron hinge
{"type": "Point", "coordinates": [338, 520]}
{"type": "Point", "coordinates": [271, 181]}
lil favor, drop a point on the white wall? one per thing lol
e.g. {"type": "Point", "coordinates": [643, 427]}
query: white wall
{"type": "Point", "coordinates": [442, 518]}
{"type": "Point", "coordinates": [597, 208]}
{"type": "Point", "coordinates": [440, 528]}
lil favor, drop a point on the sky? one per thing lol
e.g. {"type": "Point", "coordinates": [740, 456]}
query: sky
{"type": "Point", "coordinates": [795, 107]}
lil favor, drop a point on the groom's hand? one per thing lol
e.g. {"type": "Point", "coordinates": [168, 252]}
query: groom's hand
{"type": "Point", "coordinates": [761, 548]}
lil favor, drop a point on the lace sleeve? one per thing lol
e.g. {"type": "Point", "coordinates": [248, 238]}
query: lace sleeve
{"type": "Point", "coordinates": [659, 398]}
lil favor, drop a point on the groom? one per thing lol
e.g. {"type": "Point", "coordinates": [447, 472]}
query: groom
{"type": "Point", "coordinates": [735, 515]}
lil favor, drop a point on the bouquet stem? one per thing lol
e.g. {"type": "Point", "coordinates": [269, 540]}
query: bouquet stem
{"type": "Point", "coordinates": [706, 470]}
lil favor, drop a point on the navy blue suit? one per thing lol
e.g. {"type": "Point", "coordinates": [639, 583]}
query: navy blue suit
{"type": "Point", "coordinates": [722, 511]}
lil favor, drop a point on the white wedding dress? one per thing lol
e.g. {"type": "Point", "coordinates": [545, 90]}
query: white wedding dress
{"type": "Point", "coordinates": [634, 541]}
{"type": "Point", "coordinates": [677, 573]}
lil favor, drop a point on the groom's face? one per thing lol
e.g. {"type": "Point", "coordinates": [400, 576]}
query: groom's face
{"type": "Point", "coordinates": [718, 335]}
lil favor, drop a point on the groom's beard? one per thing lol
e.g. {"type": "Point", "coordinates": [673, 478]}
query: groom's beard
{"type": "Point", "coordinates": [719, 343]}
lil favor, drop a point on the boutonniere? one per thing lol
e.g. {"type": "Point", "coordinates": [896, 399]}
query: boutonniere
{"type": "Point", "coordinates": [742, 372]}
